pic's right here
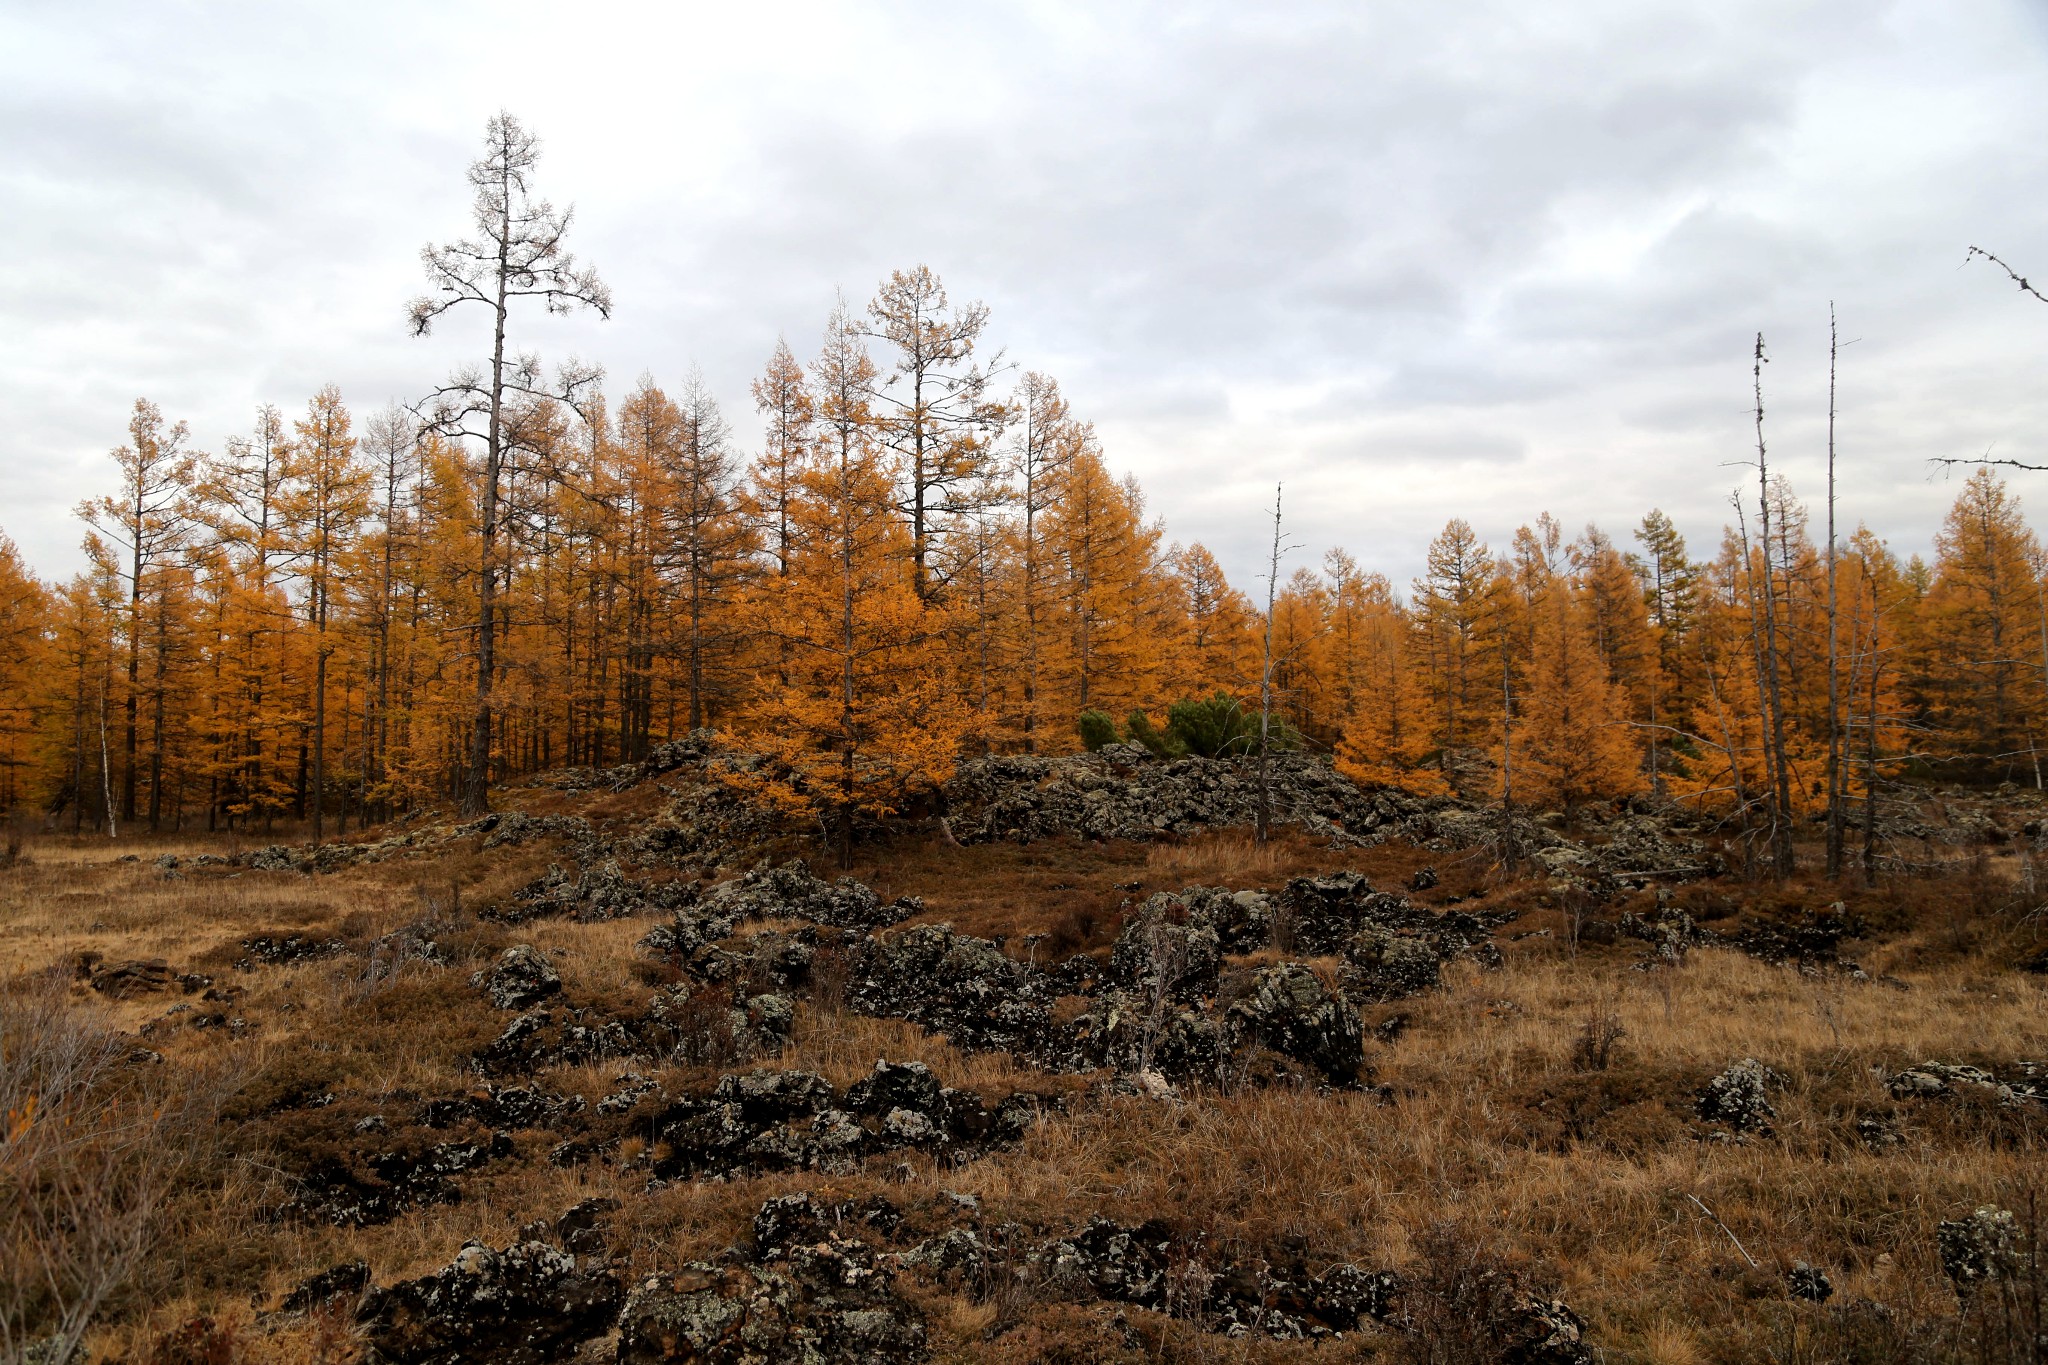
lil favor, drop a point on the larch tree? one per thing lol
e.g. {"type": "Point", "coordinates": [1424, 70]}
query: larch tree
{"type": "Point", "coordinates": [327, 499]}
{"type": "Point", "coordinates": [783, 399]}
{"type": "Point", "coordinates": [239, 497]}
{"type": "Point", "coordinates": [1572, 742]}
{"type": "Point", "coordinates": [1218, 646]}
{"type": "Point", "coordinates": [1983, 677]}
{"type": "Point", "coordinates": [1047, 441]}
{"type": "Point", "coordinates": [1106, 651]}
{"type": "Point", "coordinates": [1458, 605]}
{"type": "Point", "coordinates": [1388, 731]}
{"type": "Point", "coordinates": [865, 723]}
{"type": "Point", "coordinates": [136, 535]}
{"type": "Point", "coordinates": [706, 550]}
{"type": "Point", "coordinates": [518, 253]}
{"type": "Point", "coordinates": [932, 408]}
{"type": "Point", "coordinates": [1669, 582]}
{"type": "Point", "coordinates": [25, 614]}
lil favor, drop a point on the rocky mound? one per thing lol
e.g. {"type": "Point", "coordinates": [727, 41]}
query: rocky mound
{"type": "Point", "coordinates": [1124, 792]}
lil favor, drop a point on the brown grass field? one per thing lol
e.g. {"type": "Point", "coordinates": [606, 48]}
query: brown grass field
{"type": "Point", "coordinates": [1490, 1136]}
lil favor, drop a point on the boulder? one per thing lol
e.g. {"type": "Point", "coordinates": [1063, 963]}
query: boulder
{"type": "Point", "coordinates": [790, 891]}
{"type": "Point", "coordinates": [1984, 1246]}
{"type": "Point", "coordinates": [824, 1302]}
{"type": "Point", "coordinates": [522, 977]}
{"type": "Point", "coordinates": [528, 1304]}
{"type": "Point", "coordinates": [1287, 1009]}
{"type": "Point", "coordinates": [1739, 1098]}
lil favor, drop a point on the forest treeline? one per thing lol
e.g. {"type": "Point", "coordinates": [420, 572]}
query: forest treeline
{"type": "Point", "coordinates": [336, 618]}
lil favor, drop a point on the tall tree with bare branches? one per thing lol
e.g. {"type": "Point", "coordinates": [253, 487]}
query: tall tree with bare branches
{"type": "Point", "coordinates": [517, 253]}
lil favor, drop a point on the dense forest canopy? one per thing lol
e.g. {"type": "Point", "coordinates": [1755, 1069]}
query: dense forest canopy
{"type": "Point", "coordinates": [337, 617]}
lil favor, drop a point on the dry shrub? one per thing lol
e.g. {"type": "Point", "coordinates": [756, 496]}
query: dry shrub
{"type": "Point", "coordinates": [1460, 1301]}
{"type": "Point", "coordinates": [200, 1341]}
{"type": "Point", "coordinates": [1597, 1041]}
{"type": "Point", "coordinates": [94, 1142]}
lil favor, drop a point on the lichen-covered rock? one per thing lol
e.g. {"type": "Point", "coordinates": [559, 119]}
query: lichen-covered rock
{"type": "Point", "coordinates": [956, 985]}
{"type": "Point", "coordinates": [525, 1305]}
{"type": "Point", "coordinates": [367, 1190]}
{"type": "Point", "coordinates": [599, 891]}
{"type": "Point", "coordinates": [809, 1303]}
{"type": "Point", "coordinates": [339, 1284]}
{"type": "Point", "coordinates": [1164, 951]}
{"type": "Point", "coordinates": [1982, 1247]}
{"type": "Point", "coordinates": [1134, 1034]}
{"type": "Point", "coordinates": [521, 977]}
{"type": "Point", "coordinates": [1739, 1098]}
{"type": "Point", "coordinates": [1808, 1282]}
{"type": "Point", "coordinates": [790, 891]}
{"type": "Point", "coordinates": [1289, 1010]}
{"type": "Point", "coordinates": [1115, 794]}
{"type": "Point", "coordinates": [509, 1107]}
{"type": "Point", "coordinates": [1383, 964]}
{"type": "Point", "coordinates": [1940, 1080]}
{"type": "Point", "coordinates": [794, 1120]}
{"type": "Point", "coordinates": [125, 980]}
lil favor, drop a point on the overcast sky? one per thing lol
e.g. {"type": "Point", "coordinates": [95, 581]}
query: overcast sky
{"type": "Point", "coordinates": [1416, 267]}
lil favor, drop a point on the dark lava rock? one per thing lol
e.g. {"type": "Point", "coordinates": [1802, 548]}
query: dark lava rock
{"type": "Point", "coordinates": [341, 1283]}
{"type": "Point", "coordinates": [510, 1107]}
{"type": "Point", "coordinates": [526, 1305]}
{"type": "Point", "coordinates": [1879, 1132]}
{"type": "Point", "coordinates": [1132, 1033]}
{"type": "Point", "coordinates": [1810, 938]}
{"type": "Point", "coordinates": [1164, 951]}
{"type": "Point", "coordinates": [800, 1218]}
{"type": "Point", "coordinates": [628, 1089]}
{"type": "Point", "coordinates": [826, 1302]}
{"type": "Point", "coordinates": [711, 1025]}
{"type": "Point", "coordinates": [375, 1189]}
{"type": "Point", "coordinates": [521, 977]}
{"type": "Point", "coordinates": [556, 1037]}
{"type": "Point", "coordinates": [780, 1120]}
{"type": "Point", "coordinates": [273, 951]}
{"type": "Point", "coordinates": [1241, 920]}
{"type": "Point", "coordinates": [1807, 1282]}
{"type": "Point", "coordinates": [275, 858]}
{"type": "Point", "coordinates": [1149, 1265]}
{"type": "Point", "coordinates": [790, 891]}
{"type": "Point", "coordinates": [1115, 794]}
{"type": "Point", "coordinates": [1425, 880]}
{"type": "Point", "coordinates": [1289, 1010]}
{"type": "Point", "coordinates": [959, 986]}
{"type": "Point", "coordinates": [125, 980]}
{"type": "Point", "coordinates": [2026, 1083]}
{"type": "Point", "coordinates": [598, 891]}
{"type": "Point", "coordinates": [1986, 1245]}
{"type": "Point", "coordinates": [517, 827]}
{"type": "Point", "coordinates": [1738, 1098]}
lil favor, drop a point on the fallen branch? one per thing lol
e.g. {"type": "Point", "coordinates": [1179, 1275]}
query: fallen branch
{"type": "Point", "coordinates": [1724, 1227]}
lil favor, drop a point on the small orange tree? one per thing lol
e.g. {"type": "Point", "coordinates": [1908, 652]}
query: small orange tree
{"type": "Point", "coordinates": [1387, 735]}
{"type": "Point", "coordinates": [1572, 741]}
{"type": "Point", "coordinates": [857, 717]}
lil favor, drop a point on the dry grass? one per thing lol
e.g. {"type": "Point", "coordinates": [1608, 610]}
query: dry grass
{"type": "Point", "coordinates": [1494, 1125]}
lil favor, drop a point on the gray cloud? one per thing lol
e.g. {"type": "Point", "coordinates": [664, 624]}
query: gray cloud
{"type": "Point", "coordinates": [1418, 266]}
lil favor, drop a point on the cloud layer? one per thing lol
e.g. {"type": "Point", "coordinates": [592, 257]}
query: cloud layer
{"type": "Point", "coordinates": [1415, 266]}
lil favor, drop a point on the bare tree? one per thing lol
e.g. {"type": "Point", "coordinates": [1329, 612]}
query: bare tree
{"type": "Point", "coordinates": [2025, 286]}
{"type": "Point", "coordinates": [518, 253]}
{"type": "Point", "coordinates": [1266, 689]}
{"type": "Point", "coordinates": [1835, 783]}
{"type": "Point", "coordinates": [1781, 815]}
